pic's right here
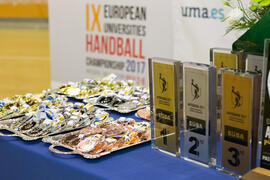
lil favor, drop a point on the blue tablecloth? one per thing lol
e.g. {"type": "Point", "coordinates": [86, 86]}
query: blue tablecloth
{"type": "Point", "coordinates": [33, 160]}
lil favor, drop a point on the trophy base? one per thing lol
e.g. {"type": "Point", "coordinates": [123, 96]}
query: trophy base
{"type": "Point", "coordinates": [166, 152]}
{"type": "Point", "coordinates": [229, 172]}
{"type": "Point", "coordinates": [196, 162]}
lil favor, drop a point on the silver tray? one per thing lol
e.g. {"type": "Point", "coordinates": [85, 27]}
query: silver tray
{"type": "Point", "coordinates": [78, 98]}
{"type": "Point", "coordinates": [15, 133]}
{"type": "Point", "coordinates": [55, 141]}
{"type": "Point", "coordinates": [119, 109]}
{"type": "Point", "coordinates": [5, 125]}
{"type": "Point", "coordinates": [11, 117]}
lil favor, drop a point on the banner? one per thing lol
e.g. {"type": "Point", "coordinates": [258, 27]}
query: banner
{"type": "Point", "coordinates": [198, 27]}
{"type": "Point", "coordinates": [89, 39]}
{"type": "Point", "coordinates": [92, 38]}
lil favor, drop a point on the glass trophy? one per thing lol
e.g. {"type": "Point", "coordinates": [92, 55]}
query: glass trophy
{"type": "Point", "coordinates": [166, 110]}
{"type": "Point", "coordinates": [264, 132]}
{"type": "Point", "coordinates": [225, 58]}
{"type": "Point", "coordinates": [240, 93]}
{"type": "Point", "coordinates": [253, 63]}
{"type": "Point", "coordinates": [199, 131]}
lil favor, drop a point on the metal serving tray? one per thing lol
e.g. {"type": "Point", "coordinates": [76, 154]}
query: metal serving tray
{"type": "Point", "coordinates": [55, 141]}
{"type": "Point", "coordinates": [6, 125]}
{"type": "Point", "coordinates": [121, 109]}
{"type": "Point", "coordinates": [76, 97]}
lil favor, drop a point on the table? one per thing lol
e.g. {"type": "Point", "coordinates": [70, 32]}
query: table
{"type": "Point", "coordinates": [33, 160]}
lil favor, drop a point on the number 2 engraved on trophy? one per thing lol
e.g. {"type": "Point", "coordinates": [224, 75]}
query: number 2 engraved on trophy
{"type": "Point", "coordinates": [164, 133]}
{"type": "Point", "coordinates": [193, 148]}
{"type": "Point", "coordinates": [236, 161]}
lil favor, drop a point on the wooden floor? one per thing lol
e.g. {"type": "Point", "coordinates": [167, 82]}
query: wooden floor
{"type": "Point", "coordinates": [24, 56]}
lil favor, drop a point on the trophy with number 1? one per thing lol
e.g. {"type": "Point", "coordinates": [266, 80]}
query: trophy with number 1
{"type": "Point", "coordinates": [166, 110]}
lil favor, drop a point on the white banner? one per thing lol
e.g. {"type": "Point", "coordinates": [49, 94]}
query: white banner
{"type": "Point", "coordinates": [198, 27]}
{"type": "Point", "coordinates": [91, 38]}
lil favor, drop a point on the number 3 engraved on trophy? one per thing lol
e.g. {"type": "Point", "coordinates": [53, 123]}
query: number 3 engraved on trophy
{"type": "Point", "coordinates": [164, 133]}
{"type": "Point", "coordinates": [235, 156]}
{"type": "Point", "coordinates": [193, 148]}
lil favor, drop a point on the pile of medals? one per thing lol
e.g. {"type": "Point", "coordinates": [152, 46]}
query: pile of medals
{"type": "Point", "coordinates": [107, 136]}
{"type": "Point", "coordinates": [117, 95]}
{"type": "Point", "coordinates": [90, 88]}
{"type": "Point", "coordinates": [125, 100]}
{"type": "Point", "coordinates": [22, 104]}
{"type": "Point", "coordinates": [53, 119]}
{"type": "Point", "coordinates": [144, 113]}
{"type": "Point", "coordinates": [53, 111]}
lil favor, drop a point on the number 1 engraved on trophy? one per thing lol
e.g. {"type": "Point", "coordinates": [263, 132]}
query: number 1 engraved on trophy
{"type": "Point", "coordinates": [165, 93]}
{"type": "Point", "coordinates": [164, 134]}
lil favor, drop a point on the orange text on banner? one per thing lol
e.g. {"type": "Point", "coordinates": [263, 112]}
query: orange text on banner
{"type": "Point", "coordinates": [95, 23]}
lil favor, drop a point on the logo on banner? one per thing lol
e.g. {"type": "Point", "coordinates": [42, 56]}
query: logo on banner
{"type": "Point", "coordinates": [204, 13]}
{"type": "Point", "coordinates": [237, 99]}
{"type": "Point", "coordinates": [195, 90]}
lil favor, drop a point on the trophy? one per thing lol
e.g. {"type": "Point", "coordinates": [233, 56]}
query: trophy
{"type": "Point", "coordinates": [225, 58]}
{"type": "Point", "coordinates": [264, 131]}
{"type": "Point", "coordinates": [240, 99]}
{"type": "Point", "coordinates": [199, 131]}
{"type": "Point", "coordinates": [254, 63]}
{"type": "Point", "coordinates": [166, 110]}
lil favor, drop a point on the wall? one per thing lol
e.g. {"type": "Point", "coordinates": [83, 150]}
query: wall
{"type": "Point", "coordinates": [24, 47]}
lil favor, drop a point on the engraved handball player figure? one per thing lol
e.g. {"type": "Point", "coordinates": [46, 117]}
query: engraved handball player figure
{"type": "Point", "coordinates": [196, 89]}
{"type": "Point", "coordinates": [237, 97]}
{"type": "Point", "coordinates": [164, 82]}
